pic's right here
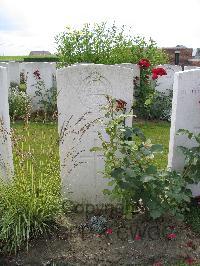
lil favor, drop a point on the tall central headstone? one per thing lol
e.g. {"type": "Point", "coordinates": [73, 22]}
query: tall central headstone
{"type": "Point", "coordinates": [6, 162]}
{"type": "Point", "coordinates": [81, 96]}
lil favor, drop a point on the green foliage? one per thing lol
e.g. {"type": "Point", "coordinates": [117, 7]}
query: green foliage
{"type": "Point", "coordinates": [30, 204]}
{"type": "Point", "coordinates": [41, 59]}
{"type": "Point", "coordinates": [192, 157]}
{"type": "Point", "coordinates": [160, 106]}
{"type": "Point", "coordinates": [47, 98]}
{"type": "Point", "coordinates": [148, 49]}
{"type": "Point", "coordinates": [192, 217]}
{"type": "Point", "coordinates": [134, 177]}
{"type": "Point", "coordinates": [144, 93]}
{"type": "Point", "coordinates": [103, 44]}
{"type": "Point", "coordinates": [19, 103]}
{"type": "Point", "coordinates": [150, 103]}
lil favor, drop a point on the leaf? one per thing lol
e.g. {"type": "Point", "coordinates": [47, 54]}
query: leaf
{"type": "Point", "coordinates": [151, 170]}
{"type": "Point", "coordinates": [94, 149]}
{"type": "Point", "coordinates": [156, 148]}
{"type": "Point", "coordinates": [107, 192]}
{"type": "Point", "coordinates": [147, 178]}
{"type": "Point", "coordinates": [138, 132]}
{"type": "Point", "coordinates": [155, 213]}
{"type": "Point", "coordinates": [185, 132]}
{"type": "Point", "coordinates": [117, 173]}
{"type": "Point", "coordinates": [128, 133]}
{"type": "Point", "coordinates": [111, 183]}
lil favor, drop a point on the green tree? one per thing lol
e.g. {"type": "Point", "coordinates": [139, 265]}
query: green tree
{"type": "Point", "coordinates": [104, 44]}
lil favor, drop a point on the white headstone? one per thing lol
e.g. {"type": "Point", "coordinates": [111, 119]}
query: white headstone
{"type": "Point", "coordinates": [13, 71]}
{"type": "Point", "coordinates": [44, 80]}
{"type": "Point", "coordinates": [165, 83]}
{"type": "Point", "coordinates": [81, 94]}
{"type": "Point", "coordinates": [185, 115]}
{"type": "Point", "coordinates": [6, 161]}
{"type": "Point", "coordinates": [129, 65]}
{"type": "Point", "coordinates": [190, 67]}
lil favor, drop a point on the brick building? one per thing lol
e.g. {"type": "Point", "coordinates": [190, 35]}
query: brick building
{"type": "Point", "coordinates": [186, 56]}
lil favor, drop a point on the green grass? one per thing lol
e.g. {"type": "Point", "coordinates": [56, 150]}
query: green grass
{"type": "Point", "coordinates": [21, 57]}
{"type": "Point", "coordinates": [37, 140]}
{"type": "Point", "coordinates": [12, 58]}
{"type": "Point", "coordinates": [39, 136]}
{"type": "Point", "coordinates": [32, 202]}
{"type": "Point", "coordinates": [158, 132]}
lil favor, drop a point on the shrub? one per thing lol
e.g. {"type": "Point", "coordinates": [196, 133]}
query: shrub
{"type": "Point", "coordinates": [103, 44]}
{"type": "Point", "coordinates": [41, 59]}
{"type": "Point", "coordinates": [47, 97]}
{"type": "Point", "coordinates": [19, 103]}
{"type": "Point", "coordinates": [192, 157]}
{"type": "Point", "coordinates": [160, 106]}
{"type": "Point", "coordinates": [151, 104]}
{"type": "Point", "coordinates": [130, 167]}
{"type": "Point", "coordinates": [192, 218]}
{"type": "Point", "coordinates": [28, 207]}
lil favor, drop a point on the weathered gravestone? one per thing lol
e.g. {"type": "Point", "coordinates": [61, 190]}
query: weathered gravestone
{"type": "Point", "coordinates": [129, 65]}
{"type": "Point", "coordinates": [40, 78]}
{"type": "Point", "coordinates": [185, 115]}
{"type": "Point", "coordinates": [165, 83]}
{"type": "Point", "coordinates": [81, 95]}
{"type": "Point", "coordinates": [13, 71]}
{"type": "Point", "coordinates": [6, 162]}
{"type": "Point", "coordinates": [190, 67]}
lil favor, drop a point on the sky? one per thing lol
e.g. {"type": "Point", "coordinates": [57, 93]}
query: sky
{"type": "Point", "coordinates": [27, 25]}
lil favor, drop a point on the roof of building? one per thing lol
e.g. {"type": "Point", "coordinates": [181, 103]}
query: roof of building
{"type": "Point", "coordinates": [40, 53]}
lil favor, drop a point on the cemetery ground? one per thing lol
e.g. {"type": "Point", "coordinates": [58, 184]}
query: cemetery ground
{"type": "Point", "coordinates": [130, 240]}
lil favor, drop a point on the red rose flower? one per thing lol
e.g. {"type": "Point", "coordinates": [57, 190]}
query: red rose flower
{"type": "Point", "coordinates": [109, 231]}
{"type": "Point", "coordinates": [172, 227]}
{"type": "Point", "coordinates": [144, 63]}
{"type": "Point", "coordinates": [189, 261]}
{"type": "Point", "coordinates": [137, 237]}
{"type": "Point", "coordinates": [189, 244]}
{"type": "Point", "coordinates": [36, 73]}
{"type": "Point", "coordinates": [121, 105]}
{"type": "Point", "coordinates": [154, 76]}
{"type": "Point", "coordinates": [171, 236]}
{"type": "Point", "coordinates": [158, 263]}
{"type": "Point", "coordinates": [159, 71]}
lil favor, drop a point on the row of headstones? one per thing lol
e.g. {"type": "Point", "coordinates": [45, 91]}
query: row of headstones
{"type": "Point", "coordinates": [47, 72]}
{"type": "Point", "coordinates": [82, 89]}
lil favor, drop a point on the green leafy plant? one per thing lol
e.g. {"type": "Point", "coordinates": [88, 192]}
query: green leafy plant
{"type": "Point", "coordinates": [192, 157]}
{"type": "Point", "coordinates": [192, 218]}
{"type": "Point", "coordinates": [104, 44]}
{"type": "Point", "coordinates": [191, 172]}
{"type": "Point", "coordinates": [19, 103]}
{"type": "Point", "coordinates": [149, 103]}
{"type": "Point", "coordinates": [47, 97]}
{"type": "Point", "coordinates": [160, 106]}
{"type": "Point", "coordinates": [31, 204]}
{"type": "Point", "coordinates": [28, 208]}
{"type": "Point", "coordinates": [131, 170]}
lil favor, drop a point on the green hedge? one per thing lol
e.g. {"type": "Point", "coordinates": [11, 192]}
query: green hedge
{"type": "Point", "coordinates": [41, 59]}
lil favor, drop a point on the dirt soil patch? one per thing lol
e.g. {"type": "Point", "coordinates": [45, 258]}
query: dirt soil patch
{"type": "Point", "coordinates": [135, 241]}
